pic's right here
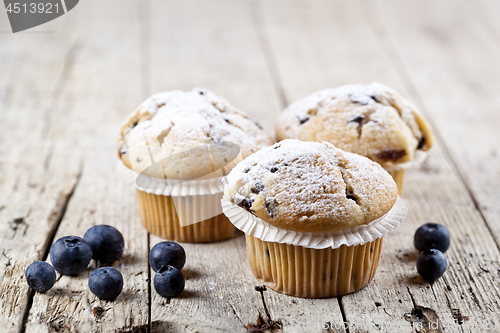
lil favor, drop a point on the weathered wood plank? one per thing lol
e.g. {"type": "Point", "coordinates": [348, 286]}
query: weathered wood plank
{"type": "Point", "coordinates": [219, 294]}
{"type": "Point", "coordinates": [435, 53]}
{"type": "Point", "coordinates": [212, 45]}
{"type": "Point", "coordinates": [99, 94]}
{"type": "Point", "coordinates": [338, 46]}
{"type": "Point", "coordinates": [456, 73]}
{"type": "Point", "coordinates": [31, 167]}
{"type": "Point", "coordinates": [226, 55]}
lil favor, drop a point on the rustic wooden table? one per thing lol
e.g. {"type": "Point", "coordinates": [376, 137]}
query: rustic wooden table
{"type": "Point", "coordinates": [66, 87]}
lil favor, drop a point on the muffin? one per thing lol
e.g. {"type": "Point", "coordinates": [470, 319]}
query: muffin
{"type": "Point", "coordinates": [313, 216]}
{"type": "Point", "coordinates": [371, 120]}
{"type": "Point", "coordinates": [178, 145]}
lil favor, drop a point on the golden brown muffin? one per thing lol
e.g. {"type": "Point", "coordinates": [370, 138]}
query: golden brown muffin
{"type": "Point", "coordinates": [181, 125]}
{"type": "Point", "coordinates": [371, 120]}
{"type": "Point", "coordinates": [313, 215]}
{"type": "Point", "coordinates": [311, 187]}
{"type": "Point", "coordinates": [186, 138]}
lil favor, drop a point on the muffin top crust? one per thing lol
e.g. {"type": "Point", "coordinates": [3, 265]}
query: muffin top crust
{"type": "Point", "coordinates": [186, 135]}
{"type": "Point", "coordinates": [371, 120]}
{"type": "Point", "coordinates": [311, 187]}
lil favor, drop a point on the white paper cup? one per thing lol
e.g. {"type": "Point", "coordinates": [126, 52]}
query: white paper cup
{"type": "Point", "coordinates": [314, 265]}
{"type": "Point", "coordinates": [182, 210]}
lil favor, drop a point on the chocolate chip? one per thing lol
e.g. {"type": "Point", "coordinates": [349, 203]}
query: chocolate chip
{"type": "Point", "coordinates": [374, 98]}
{"type": "Point", "coordinates": [421, 143]}
{"type": "Point", "coordinates": [349, 194]}
{"type": "Point", "coordinates": [273, 169]}
{"type": "Point", "coordinates": [358, 119]}
{"type": "Point", "coordinates": [134, 124]}
{"type": "Point", "coordinates": [123, 150]}
{"type": "Point", "coordinates": [391, 154]}
{"type": "Point", "coordinates": [271, 207]}
{"type": "Point", "coordinates": [303, 120]}
{"type": "Point", "coordinates": [360, 98]}
{"type": "Point", "coordinates": [246, 170]}
{"type": "Point", "coordinates": [361, 120]}
{"type": "Point", "coordinates": [255, 122]}
{"type": "Point", "coordinates": [216, 138]}
{"type": "Point", "coordinates": [201, 92]}
{"type": "Point", "coordinates": [257, 188]}
{"type": "Point", "coordinates": [227, 121]}
{"type": "Point", "coordinates": [246, 203]}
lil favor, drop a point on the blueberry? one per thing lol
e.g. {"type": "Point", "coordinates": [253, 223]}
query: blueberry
{"type": "Point", "coordinates": [106, 283]}
{"type": "Point", "coordinates": [432, 236]}
{"type": "Point", "coordinates": [106, 241]}
{"type": "Point", "coordinates": [40, 276]}
{"type": "Point", "coordinates": [167, 253]}
{"type": "Point", "coordinates": [70, 255]}
{"type": "Point", "coordinates": [431, 264]}
{"type": "Point", "coordinates": [169, 281]}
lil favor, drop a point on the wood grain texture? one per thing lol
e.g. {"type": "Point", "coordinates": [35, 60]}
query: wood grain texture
{"type": "Point", "coordinates": [435, 191]}
{"type": "Point", "coordinates": [31, 167]}
{"type": "Point", "coordinates": [98, 95]}
{"type": "Point", "coordinates": [212, 45]}
{"type": "Point", "coordinates": [65, 88]}
{"type": "Point", "coordinates": [451, 53]}
{"type": "Point", "coordinates": [231, 63]}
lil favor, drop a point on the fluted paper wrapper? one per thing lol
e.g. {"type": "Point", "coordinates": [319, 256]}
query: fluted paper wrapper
{"type": "Point", "coordinates": [182, 210]}
{"type": "Point", "coordinates": [362, 234]}
{"type": "Point", "coordinates": [209, 184]}
{"type": "Point", "coordinates": [314, 273]}
{"type": "Point", "coordinates": [314, 265]}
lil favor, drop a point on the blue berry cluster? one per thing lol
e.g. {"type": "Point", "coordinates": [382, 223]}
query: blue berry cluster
{"type": "Point", "coordinates": [167, 259]}
{"type": "Point", "coordinates": [70, 255]}
{"type": "Point", "coordinates": [432, 240]}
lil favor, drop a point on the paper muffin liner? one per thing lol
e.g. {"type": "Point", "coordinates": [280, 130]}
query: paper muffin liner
{"type": "Point", "coordinates": [181, 210]}
{"type": "Point", "coordinates": [209, 184]}
{"type": "Point", "coordinates": [314, 265]}
{"type": "Point", "coordinates": [399, 179]}
{"type": "Point", "coordinates": [362, 234]}
{"type": "Point", "coordinates": [314, 273]}
{"type": "Point", "coordinates": [162, 217]}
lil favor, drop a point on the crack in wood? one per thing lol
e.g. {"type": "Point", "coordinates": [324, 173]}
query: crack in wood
{"type": "Point", "coordinates": [48, 157]}
{"type": "Point", "coordinates": [344, 316]}
{"type": "Point", "coordinates": [264, 41]}
{"type": "Point", "coordinates": [235, 313]}
{"type": "Point", "coordinates": [145, 52]}
{"type": "Point", "coordinates": [67, 70]}
{"type": "Point", "coordinates": [149, 285]}
{"type": "Point", "coordinates": [58, 212]}
{"type": "Point", "coordinates": [8, 258]}
{"type": "Point", "coordinates": [264, 324]}
{"type": "Point", "coordinates": [423, 319]}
